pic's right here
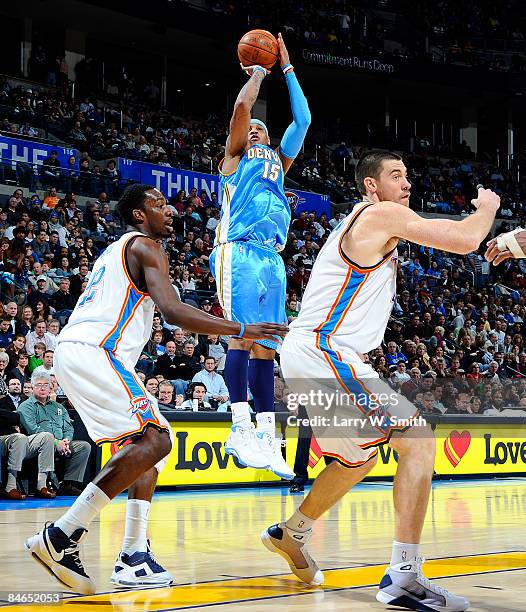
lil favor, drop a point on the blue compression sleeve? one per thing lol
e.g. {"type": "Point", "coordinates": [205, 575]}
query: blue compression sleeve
{"type": "Point", "coordinates": [294, 136]}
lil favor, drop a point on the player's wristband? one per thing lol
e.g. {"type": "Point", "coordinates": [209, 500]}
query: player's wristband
{"type": "Point", "coordinates": [287, 68]}
{"type": "Point", "coordinates": [260, 68]}
{"type": "Point", "coordinates": [241, 331]}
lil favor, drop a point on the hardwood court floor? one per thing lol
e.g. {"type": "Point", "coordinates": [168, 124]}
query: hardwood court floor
{"type": "Point", "coordinates": [474, 539]}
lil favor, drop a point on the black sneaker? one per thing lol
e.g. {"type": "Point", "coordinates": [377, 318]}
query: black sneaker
{"type": "Point", "coordinates": [68, 488]}
{"type": "Point", "coordinates": [60, 555]}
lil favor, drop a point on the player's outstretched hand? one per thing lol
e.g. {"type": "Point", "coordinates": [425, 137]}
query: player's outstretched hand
{"type": "Point", "coordinates": [493, 254]}
{"type": "Point", "coordinates": [486, 197]}
{"type": "Point", "coordinates": [264, 331]}
{"type": "Point", "coordinates": [250, 69]}
{"type": "Point", "coordinates": [284, 58]}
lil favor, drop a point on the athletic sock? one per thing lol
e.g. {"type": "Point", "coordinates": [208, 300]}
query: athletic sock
{"type": "Point", "coordinates": [11, 480]}
{"type": "Point", "coordinates": [299, 522]}
{"type": "Point", "coordinates": [266, 422]}
{"type": "Point", "coordinates": [86, 507]}
{"type": "Point", "coordinates": [403, 552]}
{"type": "Point", "coordinates": [236, 374]}
{"type": "Point", "coordinates": [137, 511]}
{"type": "Point", "coordinates": [261, 383]}
{"type": "Point", "coordinates": [241, 414]}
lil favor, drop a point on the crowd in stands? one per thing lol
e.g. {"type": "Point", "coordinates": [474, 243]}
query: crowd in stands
{"type": "Point", "coordinates": [440, 184]}
{"type": "Point", "coordinates": [447, 31]}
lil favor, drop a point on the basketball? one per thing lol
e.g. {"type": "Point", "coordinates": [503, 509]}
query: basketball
{"type": "Point", "coordinates": [258, 47]}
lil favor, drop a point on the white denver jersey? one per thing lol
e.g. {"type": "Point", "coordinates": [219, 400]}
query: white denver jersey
{"type": "Point", "coordinates": [345, 302]}
{"type": "Point", "coordinates": [112, 313]}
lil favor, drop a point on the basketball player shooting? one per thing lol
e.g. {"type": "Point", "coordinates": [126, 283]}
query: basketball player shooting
{"type": "Point", "coordinates": [344, 314]}
{"type": "Point", "coordinates": [94, 364]}
{"type": "Point", "coordinates": [246, 264]}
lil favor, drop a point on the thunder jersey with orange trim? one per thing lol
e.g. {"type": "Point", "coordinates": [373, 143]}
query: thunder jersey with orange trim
{"type": "Point", "coordinates": [345, 302]}
{"type": "Point", "coordinates": [112, 313]}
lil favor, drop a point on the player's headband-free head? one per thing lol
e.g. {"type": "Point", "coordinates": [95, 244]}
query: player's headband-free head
{"type": "Point", "coordinates": [259, 122]}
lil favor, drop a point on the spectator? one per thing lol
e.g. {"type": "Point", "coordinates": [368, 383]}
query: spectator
{"type": "Point", "coordinates": [151, 385]}
{"type": "Point", "coordinates": [62, 301]}
{"type": "Point", "coordinates": [21, 369]}
{"type": "Point", "coordinates": [399, 376]}
{"type": "Point", "coordinates": [47, 364]}
{"type": "Point", "coordinates": [217, 392]}
{"type": "Point", "coordinates": [40, 414]}
{"type": "Point", "coordinates": [213, 346]}
{"type": "Point", "coordinates": [38, 358]}
{"type": "Point", "coordinates": [40, 335]}
{"type": "Point", "coordinates": [166, 365]}
{"type": "Point", "coordinates": [6, 333]}
{"type": "Point", "coordinates": [195, 395]}
{"type": "Point", "coordinates": [17, 446]}
{"type": "Point", "coordinates": [166, 395]}
{"type": "Point", "coordinates": [186, 365]}
{"type": "Point", "coordinates": [51, 200]}
{"type": "Point", "coordinates": [17, 346]}
{"type": "Point", "coordinates": [394, 356]}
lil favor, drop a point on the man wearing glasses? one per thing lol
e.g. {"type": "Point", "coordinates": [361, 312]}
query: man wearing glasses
{"type": "Point", "coordinates": [39, 413]}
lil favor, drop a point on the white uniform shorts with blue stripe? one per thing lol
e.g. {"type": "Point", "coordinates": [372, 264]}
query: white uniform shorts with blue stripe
{"type": "Point", "coordinates": [251, 283]}
{"type": "Point", "coordinates": [107, 393]}
{"type": "Point", "coordinates": [353, 429]}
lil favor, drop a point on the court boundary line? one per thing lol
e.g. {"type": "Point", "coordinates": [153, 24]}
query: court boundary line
{"type": "Point", "coordinates": [72, 597]}
{"type": "Point", "coordinates": [318, 590]}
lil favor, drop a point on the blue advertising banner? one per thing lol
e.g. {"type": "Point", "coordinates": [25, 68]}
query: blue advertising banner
{"type": "Point", "coordinates": [300, 201]}
{"type": "Point", "coordinates": [30, 152]}
{"type": "Point", "coordinates": [171, 180]}
{"type": "Point", "coordinates": [168, 180]}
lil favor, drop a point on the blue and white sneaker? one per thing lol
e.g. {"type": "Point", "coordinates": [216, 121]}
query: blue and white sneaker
{"type": "Point", "coordinates": [59, 554]}
{"type": "Point", "coordinates": [270, 451]}
{"type": "Point", "coordinates": [405, 586]}
{"type": "Point", "coordinates": [244, 446]}
{"type": "Point", "coordinates": [140, 569]}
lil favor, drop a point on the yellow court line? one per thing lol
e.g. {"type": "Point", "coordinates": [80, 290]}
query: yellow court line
{"type": "Point", "coordinates": [252, 589]}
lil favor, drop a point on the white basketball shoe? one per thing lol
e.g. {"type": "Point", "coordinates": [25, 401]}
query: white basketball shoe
{"type": "Point", "coordinates": [140, 569]}
{"type": "Point", "coordinates": [244, 446]}
{"type": "Point", "coordinates": [270, 450]}
{"type": "Point", "coordinates": [405, 586]}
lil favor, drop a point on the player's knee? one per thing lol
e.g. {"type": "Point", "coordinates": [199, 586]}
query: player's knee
{"type": "Point", "coordinates": [162, 444]}
{"type": "Point", "coordinates": [417, 443]}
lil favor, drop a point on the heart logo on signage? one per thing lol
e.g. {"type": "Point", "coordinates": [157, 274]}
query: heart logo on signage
{"type": "Point", "coordinates": [456, 446]}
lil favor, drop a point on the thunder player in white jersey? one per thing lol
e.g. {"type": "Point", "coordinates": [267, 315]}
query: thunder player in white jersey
{"type": "Point", "coordinates": [344, 313]}
{"type": "Point", "coordinates": [94, 364]}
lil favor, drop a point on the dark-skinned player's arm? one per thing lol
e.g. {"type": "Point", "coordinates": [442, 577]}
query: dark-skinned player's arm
{"type": "Point", "coordinates": [153, 260]}
{"type": "Point", "coordinates": [294, 136]}
{"type": "Point", "coordinates": [240, 121]}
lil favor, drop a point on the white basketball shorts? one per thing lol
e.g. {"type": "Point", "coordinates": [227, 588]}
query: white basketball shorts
{"type": "Point", "coordinates": [107, 393]}
{"type": "Point", "coordinates": [351, 410]}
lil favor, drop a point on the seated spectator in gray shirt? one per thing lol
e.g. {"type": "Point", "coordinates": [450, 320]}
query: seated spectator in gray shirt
{"type": "Point", "coordinates": [38, 414]}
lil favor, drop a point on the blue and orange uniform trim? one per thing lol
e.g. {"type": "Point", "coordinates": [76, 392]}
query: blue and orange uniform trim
{"type": "Point", "coordinates": [139, 402]}
{"type": "Point", "coordinates": [344, 372]}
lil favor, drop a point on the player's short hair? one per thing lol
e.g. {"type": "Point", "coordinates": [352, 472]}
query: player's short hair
{"type": "Point", "coordinates": [133, 198]}
{"type": "Point", "coordinates": [370, 164]}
